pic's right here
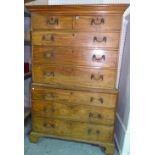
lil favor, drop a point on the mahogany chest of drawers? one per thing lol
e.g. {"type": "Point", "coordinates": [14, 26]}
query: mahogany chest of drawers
{"type": "Point", "coordinates": [74, 70]}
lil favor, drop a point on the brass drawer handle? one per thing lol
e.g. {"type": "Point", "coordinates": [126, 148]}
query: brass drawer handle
{"type": "Point", "coordinates": [91, 99]}
{"type": "Point", "coordinates": [89, 131]}
{"type": "Point", "coordinates": [92, 115]}
{"type": "Point", "coordinates": [100, 77]}
{"type": "Point", "coordinates": [100, 99]}
{"type": "Point", "coordinates": [48, 37]}
{"type": "Point", "coordinates": [48, 96]}
{"type": "Point", "coordinates": [98, 58]}
{"type": "Point", "coordinates": [97, 132]}
{"type": "Point", "coordinates": [48, 74]}
{"type": "Point", "coordinates": [48, 125]}
{"type": "Point", "coordinates": [48, 55]}
{"type": "Point", "coordinates": [97, 21]}
{"type": "Point", "coordinates": [52, 21]}
{"type": "Point", "coordinates": [104, 39]}
{"type": "Point", "coordinates": [99, 116]}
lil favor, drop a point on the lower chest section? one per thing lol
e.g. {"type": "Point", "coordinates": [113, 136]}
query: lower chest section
{"type": "Point", "coordinates": [76, 114]}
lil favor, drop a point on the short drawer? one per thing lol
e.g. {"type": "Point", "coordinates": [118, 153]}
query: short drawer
{"type": "Point", "coordinates": [98, 23]}
{"type": "Point", "coordinates": [51, 22]}
{"type": "Point", "coordinates": [77, 130]}
{"type": "Point", "coordinates": [106, 100]}
{"type": "Point", "coordinates": [75, 56]}
{"type": "Point", "coordinates": [77, 112]}
{"type": "Point", "coordinates": [76, 39]}
{"type": "Point", "coordinates": [75, 76]}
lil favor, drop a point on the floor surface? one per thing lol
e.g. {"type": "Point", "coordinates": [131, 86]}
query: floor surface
{"type": "Point", "coordinates": [49, 146]}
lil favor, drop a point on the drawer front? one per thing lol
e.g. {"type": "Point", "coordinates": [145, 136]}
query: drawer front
{"type": "Point", "coordinates": [74, 97]}
{"type": "Point", "coordinates": [77, 130]}
{"type": "Point", "coordinates": [51, 22]}
{"type": "Point", "coordinates": [77, 112]}
{"type": "Point", "coordinates": [98, 23]}
{"type": "Point", "coordinates": [78, 77]}
{"type": "Point", "coordinates": [75, 56]}
{"type": "Point", "coordinates": [76, 39]}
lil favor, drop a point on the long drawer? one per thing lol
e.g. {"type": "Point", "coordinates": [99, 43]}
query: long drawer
{"type": "Point", "coordinates": [66, 128]}
{"type": "Point", "coordinates": [75, 76]}
{"type": "Point", "coordinates": [106, 100]}
{"type": "Point", "coordinates": [76, 112]}
{"type": "Point", "coordinates": [76, 39]}
{"type": "Point", "coordinates": [75, 56]}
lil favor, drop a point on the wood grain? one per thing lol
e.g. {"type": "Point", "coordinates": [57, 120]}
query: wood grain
{"type": "Point", "coordinates": [75, 56]}
{"type": "Point", "coordinates": [94, 9]}
{"type": "Point", "coordinates": [73, 88]}
{"type": "Point", "coordinates": [98, 23]}
{"type": "Point", "coordinates": [78, 77]}
{"type": "Point", "coordinates": [105, 100]}
{"type": "Point", "coordinates": [72, 129]}
{"type": "Point", "coordinates": [76, 39]}
{"type": "Point", "coordinates": [43, 21]}
{"type": "Point", "coordinates": [101, 23]}
{"type": "Point", "coordinates": [88, 114]}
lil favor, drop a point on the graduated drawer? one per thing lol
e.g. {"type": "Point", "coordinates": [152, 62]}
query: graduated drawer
{"type": "Point", "coordinates": [51, 22]}
{"type": "Point", "coordinates": [75, 56]}
{"type": "Point", "coordinates": [98, 23]}
{"type": "Point", "coordinates": [77, 112]}
{"type": "Point", "coordinates": [106, 100]}
{"type": "Point", "coordinates": [76, 39]}
{"type": "Point", "coordinates": [75, 76]}
{"type": "Point", "coordinates": [67, 128]}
